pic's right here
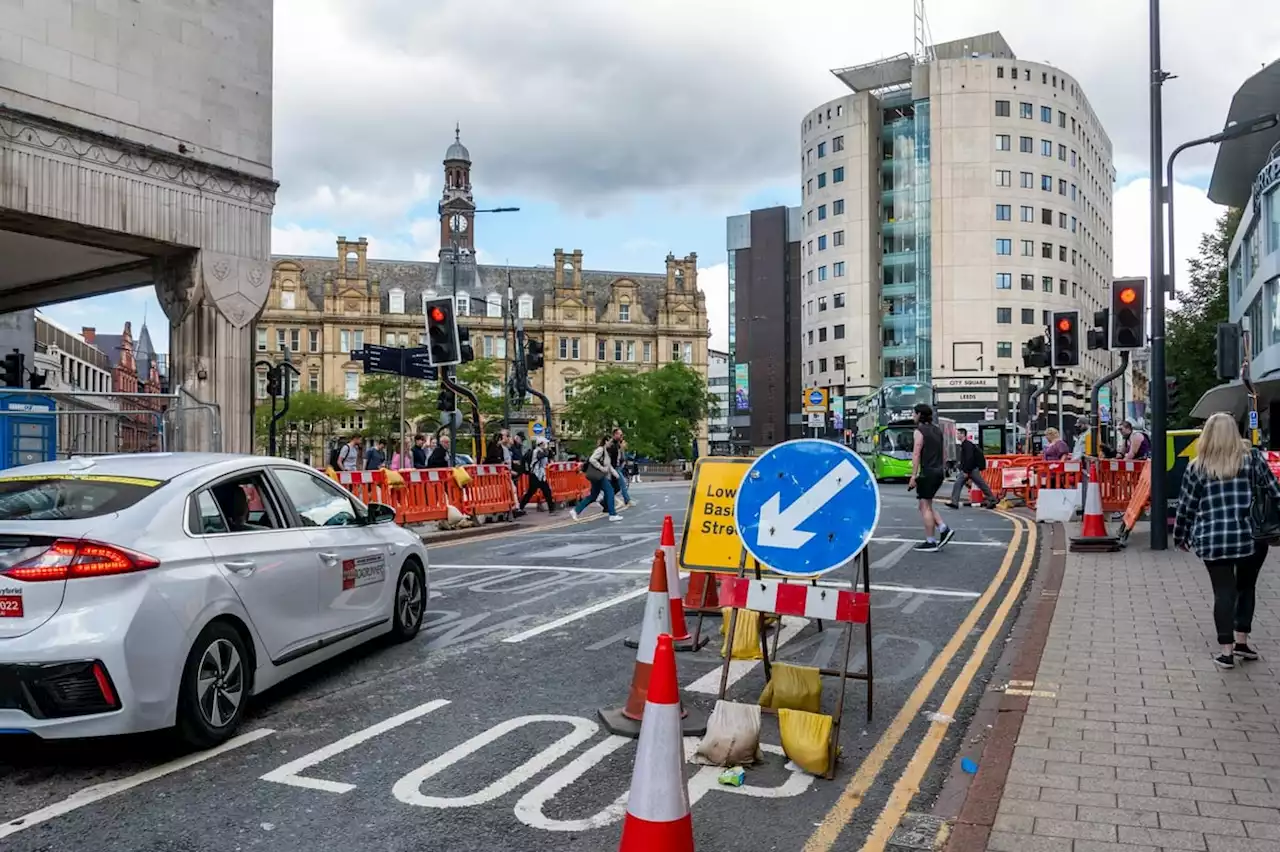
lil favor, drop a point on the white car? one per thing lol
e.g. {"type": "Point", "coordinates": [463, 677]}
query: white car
{"type": "Point", "coordinates": [143, 592]}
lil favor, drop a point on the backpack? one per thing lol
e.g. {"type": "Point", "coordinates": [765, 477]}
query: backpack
{"type": "Point", "coordinates": [979, 457]}
{"type": "Point", "coordinates": [333, 457]}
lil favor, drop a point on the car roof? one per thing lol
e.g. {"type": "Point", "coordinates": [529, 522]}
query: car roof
{"type": "Point", "coordinates": [162, 466]}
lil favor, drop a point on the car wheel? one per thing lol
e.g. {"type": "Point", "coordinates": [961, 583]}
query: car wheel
{"type": "Point", "coordinates": [215, 687]}
{"type": "Point", "coordinates": [408, 602]}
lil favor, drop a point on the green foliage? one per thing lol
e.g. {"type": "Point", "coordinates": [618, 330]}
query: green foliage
{"type": "Point", "coordinates": [660, 410]}
{"type": "Point", "coordinates": [483, 377]}
{"type": "Point", "coordinates": [1191, 333]}
{"type": "Point", "coordinates": [322, 412]}
{"type": "Point", "coordinates": [380, 397]}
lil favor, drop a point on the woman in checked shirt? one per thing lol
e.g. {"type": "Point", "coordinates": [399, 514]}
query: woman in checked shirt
{"type": "Point", "coordinates": [1213, 519]}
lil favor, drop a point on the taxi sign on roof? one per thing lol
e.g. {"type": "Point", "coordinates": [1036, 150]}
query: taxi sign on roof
{"type": "Point", "coordinates": [710, 540]}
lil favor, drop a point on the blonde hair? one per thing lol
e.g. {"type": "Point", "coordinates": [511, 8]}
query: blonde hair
{"type": "Point", "coordinates": [1051, 434]}
{"type": "Point", "coordinates": [1219, 452]}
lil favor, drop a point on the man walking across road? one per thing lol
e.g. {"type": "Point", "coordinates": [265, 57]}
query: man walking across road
{"type": "Point", "coordinates": [972, 462]}
{"type": "Point", "coordinates": [928, 470]}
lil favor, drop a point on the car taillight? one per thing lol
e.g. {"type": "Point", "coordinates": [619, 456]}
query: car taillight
{"type": "Point", "coordinates": [72, 559]}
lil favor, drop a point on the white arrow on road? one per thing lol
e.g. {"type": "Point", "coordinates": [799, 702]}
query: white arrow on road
{"type": "Point", "coordinates": [779, 528]}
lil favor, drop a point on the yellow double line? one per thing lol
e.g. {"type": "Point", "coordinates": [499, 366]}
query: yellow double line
{"type": "Point", "coordinates": [908, 784]}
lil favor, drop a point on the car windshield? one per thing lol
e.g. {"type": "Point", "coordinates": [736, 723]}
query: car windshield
{"type": "Point", "coordinates": [898, 441]}
{"type": "Point", "coordinates": [69, 498]}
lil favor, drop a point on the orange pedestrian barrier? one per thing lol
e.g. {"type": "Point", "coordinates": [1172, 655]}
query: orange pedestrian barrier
{"type": "Point", "coordinates": [1049, 474]}
{"type": "Point", "coordinates": [490, 491]}
{"type": "Point", "coordinates": [425, 496]}
{"type": "Point", "coordinates": [1118, 481]}
{"type": "Point", "coordinates": [364, 484]}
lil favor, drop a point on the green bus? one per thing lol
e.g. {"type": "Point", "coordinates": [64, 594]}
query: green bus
{"type": "Point", "coordinates": [886, 428]}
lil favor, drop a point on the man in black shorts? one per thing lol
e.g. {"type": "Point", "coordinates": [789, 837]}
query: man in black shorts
{"type": "Point", "coordinates": [928, 471]}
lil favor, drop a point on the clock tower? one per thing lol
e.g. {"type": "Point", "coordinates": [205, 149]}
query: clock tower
{"type": "Point", "coordinates": [457, 205]}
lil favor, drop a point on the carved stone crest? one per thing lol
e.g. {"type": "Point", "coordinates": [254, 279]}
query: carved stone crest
{"type": "Point", "coordinates": [178, 286]}
{"type": "Point", "coordinates": [237, 285]}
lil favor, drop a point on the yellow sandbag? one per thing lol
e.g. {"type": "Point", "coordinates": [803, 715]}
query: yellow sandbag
{"type": "Point", "coordinates": [331, 473]}
{"type": "Point", "coordinates": [793, 688]}
{"type": "Point", "coordinates": [746, 636]}
{"type": "Point", "coordinates": [461, 476]}
{"type": "Point", "coordinates": [392, 478]}
{"type": "Point", "coordinates": [806, 739]}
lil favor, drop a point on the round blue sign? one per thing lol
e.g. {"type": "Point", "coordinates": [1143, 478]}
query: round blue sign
{"type": "Point", "coordinates": [807, 507]}
{"type": "Point", "coordinates": [815, 398]}
{"type": "Point", "coordinates": [538, 428]}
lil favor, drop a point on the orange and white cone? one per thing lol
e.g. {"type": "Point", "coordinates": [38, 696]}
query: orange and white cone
{"type": "Point", "coordinates": [658, 815]}
{"type": "Point", "coordinates": [679, 630]}
{"type": "Point", "coordinates": [1093, 529]}
{"type": "Point", "coordinates": [701, 583]}
{"type": "Point", "coordinates": [625, 721]}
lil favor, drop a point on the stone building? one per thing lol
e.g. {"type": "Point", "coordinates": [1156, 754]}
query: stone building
{"type": "Point", "coordinates": [320, 309]}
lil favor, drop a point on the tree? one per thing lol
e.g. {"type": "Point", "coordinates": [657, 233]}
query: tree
{"type": "Point", "coordinates": [380, 397]}
{"type": "Point", "coordinates": [681, 400]}
{"type": "Point", "coordinates": [318, 414]}
{"type": "Point", "coordinates": [1191, 335]}
{"type": "Point", "coordinates": [483, 377]}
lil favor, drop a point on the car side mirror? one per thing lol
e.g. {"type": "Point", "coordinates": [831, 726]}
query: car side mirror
{"type": "Point", "coordinates": [381, 513]}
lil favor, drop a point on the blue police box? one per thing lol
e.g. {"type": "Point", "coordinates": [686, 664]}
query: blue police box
{"type": "Point", "coordinates": [29, 431]}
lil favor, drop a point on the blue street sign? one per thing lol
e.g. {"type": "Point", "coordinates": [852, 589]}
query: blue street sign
{"type": "Point", "coordinates": [538, 428]}
{"type": "Point", "coordinates": [806, 507]}
{"type": "Point", "coordinates": [1253, 420]}
{"type": "Point", "coordinates": [815, 397]}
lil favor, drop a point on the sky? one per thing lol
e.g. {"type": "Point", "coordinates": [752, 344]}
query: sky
{"type": "Point", "coordinates": [629, 130]}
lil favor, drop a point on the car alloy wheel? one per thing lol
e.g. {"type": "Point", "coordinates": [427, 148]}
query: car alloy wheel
{"type": "Point", "coordinates": [409, 601]}
{"type": "Point", "coordinates": [220, 684]}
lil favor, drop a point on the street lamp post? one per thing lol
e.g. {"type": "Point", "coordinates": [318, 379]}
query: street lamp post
{"type": "Point", "coordinates": [1159, 501]}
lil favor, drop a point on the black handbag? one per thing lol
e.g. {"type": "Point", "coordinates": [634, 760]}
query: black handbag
{"type": "Point", "coordinates": [1264, 511]}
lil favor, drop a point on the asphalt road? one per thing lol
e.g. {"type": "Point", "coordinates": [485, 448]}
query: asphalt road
{"type": "Point", "coordinates": [482, 734]}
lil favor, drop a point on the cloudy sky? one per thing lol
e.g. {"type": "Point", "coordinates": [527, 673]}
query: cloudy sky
{"type": "Point", "coordinates": [632, 129]}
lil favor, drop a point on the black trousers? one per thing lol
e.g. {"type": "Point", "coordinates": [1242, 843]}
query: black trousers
{"type": "Point", "coordinates": [536, 485]}
{"type": "Point", "coordinates": [1234, 584]}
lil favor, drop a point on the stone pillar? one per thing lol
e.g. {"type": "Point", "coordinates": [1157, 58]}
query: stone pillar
{"type": "Point", "coordinates": [211, 300]}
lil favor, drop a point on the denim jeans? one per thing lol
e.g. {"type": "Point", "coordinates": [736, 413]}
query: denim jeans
{"type": "Point", "coordinates": [597, 488]}
{"type": "Point", "coordinates": [622, 487]}
{"type": "Point", "coordinates": [1234, 584]}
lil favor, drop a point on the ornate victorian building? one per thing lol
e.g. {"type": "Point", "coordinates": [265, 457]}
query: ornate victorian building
{"type": "Point", "coordinates": [322, 308]}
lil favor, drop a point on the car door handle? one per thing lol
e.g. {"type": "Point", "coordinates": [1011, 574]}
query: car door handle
{"type": "Point", "coordinates": [244, 568]}
{"type": "Point", "coordinates": [329, 557]}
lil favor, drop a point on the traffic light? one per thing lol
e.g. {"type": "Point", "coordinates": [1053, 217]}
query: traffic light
{"type": "Point", "coordinates": [1034, 355]}
{"type": "Point", "coordinates": [38, 380]}
{"type": "Point", "coordinates": [275, 384]}
{"type": "Point", "coordinates": [1228, 350]}
{"type": "Point", "coordinates": [443, 349]}
{"type": "Point", "coordinates": [1099, 335]}
{"type": "Point", "coordinates": [446, 400]}
{"type": "Point", "coordinates": [1065, 339]}
{"type": "Point", "coordinates": [13, 369]}
{"type": "Point", "coordinates": [1170, 394]}
{"type": "Point", "coordinates": [533, 358]}
{"type": "Point", "coordinates": [466, 352]}
{"type": "Point", "coordinates": [1128, 313]}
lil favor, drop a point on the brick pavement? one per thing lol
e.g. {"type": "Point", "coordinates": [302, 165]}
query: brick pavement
{"type": "Point", "coordinates": [1145, 745]}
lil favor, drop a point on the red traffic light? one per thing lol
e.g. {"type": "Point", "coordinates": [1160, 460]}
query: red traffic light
{"type": "Point", "coordinates": [1064, 324]}
{"type": "Point", "coordinates": [1128, 295]}
{"type": "Point", "coordinates": [437, 314]}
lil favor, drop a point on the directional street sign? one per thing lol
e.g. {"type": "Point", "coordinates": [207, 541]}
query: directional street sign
{"type": "Point", "coordinates": [815, 399]}
{"type": "Point", "coordinates": [537, 428]}
{"type": "Point", "coordinates": [1253, 420]}
{"type": "Point", "coordinates": [411, 363]}
{"type": "Point", "coordinates": [807, 507]}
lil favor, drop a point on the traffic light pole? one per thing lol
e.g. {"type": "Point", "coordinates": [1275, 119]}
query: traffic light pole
{"type": "Point", "coordinates": [1033, 404]}
{"type": "Point", "coordinates": [522, 382]}
{"type": "Point", "coordinates": [1096, 400]}
{"type": "Point", "coordinates": [1159, 427]}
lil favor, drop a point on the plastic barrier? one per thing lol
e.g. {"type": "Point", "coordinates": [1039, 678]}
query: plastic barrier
{"type": "Point", "coordinates": [425, 497]}
{"type": "Point", "coordinates": [365, 484]}
{"type": "Point", "coordinates": [1049, 474]}
{"type": "Point", "coordinates": [1118, 481]}
{"type": "Point", "coordinates": [568, 485]}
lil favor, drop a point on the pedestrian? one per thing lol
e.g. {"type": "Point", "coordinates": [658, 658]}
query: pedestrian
{"type": "Point", "coordinates": [599, 472]}
{"type": "Point", "coordinates": [516, 462]}
{"type": "Point", "coordinates": [617, 455]}
{"type": "Point", "coordinates": [971, 464]}
{"type": "Point", "coordinates": [349, 454]}
{"type": "Point", "coordinates": [537, 472]}
{"type": "Point", "coordinates": [440, 455]}
{"type": "Point", "coordinates": [928, 470]}
{"type": "Point", "coordinates": [420, 451]}
{"type": "Point", "coordinates": [376, 457]}
{"type": "Point", "coordinates": [1222, 515]}
{"type": "Point", "coordinates": [1055, 449]}
{"type": "Point", "coordinates": [1136, 444]}
{"type": "Point", "coordinates": [497, 451]}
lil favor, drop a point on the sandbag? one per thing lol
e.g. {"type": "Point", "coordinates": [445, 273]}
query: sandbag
{"type": "Point", "coordinates": [392, 478]}
{"type": "Point", "coordinates": [733, 736]}
{"type": "Point", "coordinates": [793, 688]}
{"type": "Point", "coordinates": [746, 635]}
{"type": "Point", "coordinates": [806, 739]}
{"type": "Point", "coordinates": [461, 476]}
{"type": "Point", "coordinates": [331, 473]}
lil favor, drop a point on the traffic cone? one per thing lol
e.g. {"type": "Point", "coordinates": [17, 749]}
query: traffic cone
{"type": "Point", "coordinates": [700, 581]}
{"type": "Point", "coordinates": [1093, 536]}
{"type": "Point", "coordinates": [658, 818]}
{"type": "Point", "coordinates": [678, 629]}
{"type": "Point", "coordinates": [625, 721]}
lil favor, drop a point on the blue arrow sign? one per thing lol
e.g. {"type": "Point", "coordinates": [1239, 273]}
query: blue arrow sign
{"type": "Point", "coordinates": [815, 397]}
{"type": "Point", "coordinates": [807, 507]}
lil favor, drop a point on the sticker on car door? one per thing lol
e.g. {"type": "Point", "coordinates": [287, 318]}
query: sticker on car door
{"type": "Point", "coordinates": [10, 602]}
{"type": "Point", "coordinates": [364, 571]}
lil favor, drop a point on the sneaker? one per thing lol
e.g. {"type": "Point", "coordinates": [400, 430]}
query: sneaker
{"type": "Point", "coordinates": [615, 517]}
{"type": "Point", "coordinates": [1224, 661]}
{"type": "Point", "coordinates": [951, 505]}
{"type": "Point", "coordinates": [573, 513]}
{"type": "Point", "coordinates": [1244, 652]}
{"type": "Point", "coordinates": [947, 534]}
{"type": "Point", "coordinates": [926, 547]}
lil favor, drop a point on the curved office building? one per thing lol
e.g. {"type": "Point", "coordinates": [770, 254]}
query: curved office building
{"type": "Point", "coordinates": [949, 204]}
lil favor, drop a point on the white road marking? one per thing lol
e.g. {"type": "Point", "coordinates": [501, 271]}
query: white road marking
{"type": "Point", "coordinates": [892, 558]}
{"type": "Point", "coordinates": [576, 569]}
{"type": "Point", "coordinates": [98, 792]}
{"type": "Point", "coordinates": [582, 613]}
{"type": "Point", "coordinates": [709, 683]}
{"type": "Point", "coordinates": [288, 774]}
{"type": "Point", "coordinates": [954, 542]}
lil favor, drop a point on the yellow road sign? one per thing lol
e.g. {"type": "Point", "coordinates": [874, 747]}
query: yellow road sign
{"type": "Point", "coordinates": [710, 541]}
{"type": "Point", "coordinates": [815, 400]}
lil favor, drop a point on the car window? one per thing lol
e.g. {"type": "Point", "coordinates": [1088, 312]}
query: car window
{"type": "Point", "coordinates": [57, 497]}
{"type": "Point", "coordinates": [320, 503]}
{"type": "Point", "coordinates": [243, 505]}
{"type": "Point", "coordinates": [207, 518]}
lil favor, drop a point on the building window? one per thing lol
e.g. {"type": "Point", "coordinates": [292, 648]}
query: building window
{"type": "Point", "coordinates": [624, 312]}
{"type": "Point", "coordinates": [822, 365]}
{"type": "Point", "coordinates": [837, 269]}
{"type": "Point", "coordinates": [822, 335]}
{"type": "Point", "coordinates": [1026, 144]}
{"type": "Point", "coordinates": [600, 349]}
{"type": "Point", "coordinates": [837, 174]}
{"type": "Point", "coordinates": [1046, 183]}
{"type": "Point", "coordinates": [1003, 212]}
{"type": "Point", "coordinates": [1046, 216]}
{"type": "Point", "coordinates": [313, 383]}
{"type": "Point", "coordinates": [260, 387]}
{"type": "Point", "coordinates": [837, 332]}
{"type": "Point", "coordinates": [1073, 159]}
{"type": "Point", "coordinates": [1046, 283]}
{"type": "Point", "coordinates": [1062, 186]}
{"type": "Point", "coordinates": [837, 144]}
{"type": "Point", "coordinates": [1046, 147]}
{"type": "Point", "coordinates": [675, 351]}
{"type": "Point", "coordinates": [631, 350]}
{"type": "Point", "coordinates": [280, 339]}
{"type": "Point", "coordinates": [822, 242]}
{"type": "Point", "coordinates": [822, 273]}
{"type": "Point", "coordinates": [1062, 118]}
{"type": "Point", "coordinates": [648, 351]}
{"type": "Point", "coordinates": [524, 307]}
{"type": "Point", "coordinates": [1062, 286]}
{"type": "Point", "coordinates": [1004, 281]}
{"type": "Point", "coordinates": [1024, 110]}
{"type": "Point", "coordinates": [822, 179]}
{"type": "Point", "coordinates": [837, 207]}
{"type": "Point", "coordinates": [1002, 109]}
{"type": "Point", "coordinates": [838, 363]}
{"type": "Point", "coordinates": [1062, 221]}
{"type": "Point", "coordinates": [1004, 246]}
{"type": "Point", "coordinates": [313, 340]}
{"type": "Point", "coordinates": [1046, 114]}
{"type": "Point", "coordinates": [395, 301]}
{"type": "Point", "coordinates": [1028, 214]}
{"type": "Point", "coordinates": [1073, 192]}
{"type": "Point", "coordinates": [261, 335]}
{"type": "Point", "coordinates": [1028, 180]}
{"type": "Point", "coordinates": [1004, 316]}
{"type": "Point", "coordinates": [1028, 281]}
{"type": "Point", "coordinates": [464, 304]}
{"type": "Point", "coordinates": [352, 386]}
{"type": "Point", "coordinates": [838, 300]}
{"type": "Point", "coordinates": [822, 212]}
{"type": "Point", "coordinates": [1000, 71]}
{"type": "Point", "coordinates": [1028, 316]}
{"type": "Point", "coordinates": [1028, 248]}
{"type": "Point", "coordinates": [1062, 152]}
{"type": "Point", "coordinates": [1004, 349]}
{"type": "Point", "coordinates": [295, 340]}
{"type": "Point", "coordinates": [1004, 177]}
{"type": "Point", "coordinates": [288, 300]}
{"type": "Point", "coordinates": [837, 239]}
{"type": "Point", "coordinates": [493, 305]}
{"type": "Point", "coordinates": [822, 150]}
{"type": "Point", "coordinates": [1062, 253]}
{"type": "Point", "coordinates": [617, 350]}
{"type": "Point", "coordinates": [568, 389]}
{"type": "Point", "coordinates": [822, 304]}
{"type": "Point", "coordinates": [564, 349]}
{"type": "Point", "coordinates": [1002, 142]}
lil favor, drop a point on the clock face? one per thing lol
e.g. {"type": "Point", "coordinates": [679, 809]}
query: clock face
{"type": "Point", "coordinates": [458, 224]}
